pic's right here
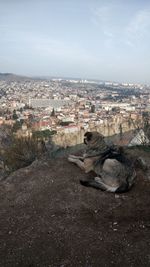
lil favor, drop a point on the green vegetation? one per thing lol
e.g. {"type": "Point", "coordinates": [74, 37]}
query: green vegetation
{"type": "Point", "coordinates": [146, 122]}
{"type": "Point", "coordinates": [53, 113]}
{"type": "Point", "coordinates": [120, 131]}
{"type": "Point", "coordinates": [17, 125]}
{"type": "Point", "coordinates": [65, 123]}
{"type": "Point", "coordinates": [14, 116]}
{"type": "Point", "coordinates": [92, 109]}
{"type": "Point", "coordinates": [145, 148]}
{"type": "Point", "coordinates": [43, 134]}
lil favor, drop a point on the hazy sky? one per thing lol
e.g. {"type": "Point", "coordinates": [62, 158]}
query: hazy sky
{"type": "Point", "coordinates": [106, 40]}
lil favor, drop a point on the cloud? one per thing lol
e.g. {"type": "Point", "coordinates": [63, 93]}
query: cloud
{"type": "Point", "coordinates": [102, 14]}
{"type": "Point", "coordinates": [101, 17]}
{"type": "Point", "coordinates": [120, 28]}
{"type": "Point", "coordinates": [138, 27]}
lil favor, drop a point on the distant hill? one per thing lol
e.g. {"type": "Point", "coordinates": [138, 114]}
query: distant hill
{"type": "Point", "coordinates": [13, 77]}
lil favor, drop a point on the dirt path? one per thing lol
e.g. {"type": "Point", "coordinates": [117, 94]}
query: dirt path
{"type": "Point", "coordinates": [48, 219]}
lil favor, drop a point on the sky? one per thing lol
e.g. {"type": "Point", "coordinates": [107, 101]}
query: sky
{"type": "Point", "coordinates": [88, 39]}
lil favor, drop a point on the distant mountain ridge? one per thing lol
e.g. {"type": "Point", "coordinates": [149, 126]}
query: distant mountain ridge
{"type": "Point", "coordinates": [13, 77]}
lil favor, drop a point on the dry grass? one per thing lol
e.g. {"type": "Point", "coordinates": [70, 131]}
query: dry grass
{"type": "Point", "coordinates": [22, 152]}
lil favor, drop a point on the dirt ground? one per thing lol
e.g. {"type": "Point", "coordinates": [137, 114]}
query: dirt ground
{"type": "Point", "coordinates": [48, 219]}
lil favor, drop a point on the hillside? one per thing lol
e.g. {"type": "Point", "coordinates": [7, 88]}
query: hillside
{"type": "Point", "coordinates": [49, 219]}
{"type": "Point", "coordinates": [9, 77]}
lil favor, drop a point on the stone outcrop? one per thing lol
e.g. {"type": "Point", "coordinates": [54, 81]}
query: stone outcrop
{"type": "Point", "coordinates": [73, 138]}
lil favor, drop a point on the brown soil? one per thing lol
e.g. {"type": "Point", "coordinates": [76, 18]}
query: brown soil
{"type": "Point", "coordinates": [48, 219]}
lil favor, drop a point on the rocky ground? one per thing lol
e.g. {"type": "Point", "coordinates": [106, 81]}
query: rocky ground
{"type": "Point", "coordinates": [48, 219]}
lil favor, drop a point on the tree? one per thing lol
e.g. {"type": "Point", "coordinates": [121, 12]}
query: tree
{"type": "Point", "coordinates": [17, 125]}
{"type": "Point", "coordinates": [93, 109]}
{"type": "Point", "coordinates": [146, 123]}
{"type": "Point", "coordinates": [146, 118]}
{"type": "Point", "coordinates": [65, 123]}
{"type": "Point", "coordinates": [120, 131]}
{"type": "Point", "coordinates": [15, 117]}
{"type": "Point", "coordinates": [53, 113]}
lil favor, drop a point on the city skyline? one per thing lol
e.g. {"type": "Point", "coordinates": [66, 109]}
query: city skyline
{"type": "Point", "coordinates": [85, 39]}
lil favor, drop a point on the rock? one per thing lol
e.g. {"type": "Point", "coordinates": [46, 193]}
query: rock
{"type": "Point", "coordinates": [141, 163]}
{"type": "Point", "coordinates": [2, 165]}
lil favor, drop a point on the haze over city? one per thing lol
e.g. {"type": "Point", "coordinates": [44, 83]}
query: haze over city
{"type": "Point", "coordinates": [106, 40]}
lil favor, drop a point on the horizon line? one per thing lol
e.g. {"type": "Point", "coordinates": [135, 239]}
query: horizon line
{"type": "Point", "coordinates": [73, 78]}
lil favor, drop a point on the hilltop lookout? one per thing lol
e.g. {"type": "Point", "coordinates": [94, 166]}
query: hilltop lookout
{"type": "Point", "coordinates": [49, 219]}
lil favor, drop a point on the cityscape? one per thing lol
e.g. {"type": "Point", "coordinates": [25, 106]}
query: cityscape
{"type": "Point", "coordinates": [67, 106]}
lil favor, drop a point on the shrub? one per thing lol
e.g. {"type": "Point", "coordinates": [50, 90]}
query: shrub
{"type": "Point", "coordinates": [44, 134]}
{"type": "Point", "coordinates": [22, 152]}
